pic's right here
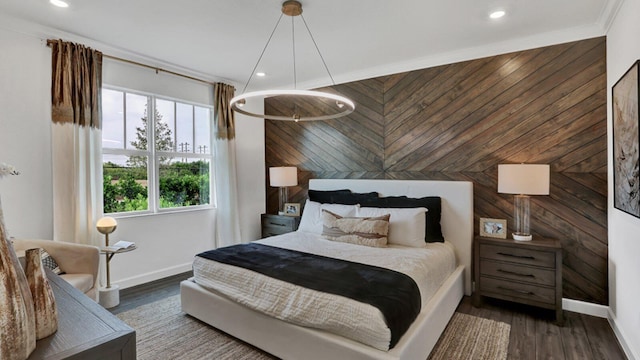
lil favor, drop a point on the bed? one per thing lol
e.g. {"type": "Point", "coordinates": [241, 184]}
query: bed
{"type": "Point", "coordinates": [290, 341]}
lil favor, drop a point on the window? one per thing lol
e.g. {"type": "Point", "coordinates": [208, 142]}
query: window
{"type": "Point", "coordinates": [173, 173]}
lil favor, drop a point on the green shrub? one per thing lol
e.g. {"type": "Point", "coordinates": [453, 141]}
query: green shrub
{"type": "Point", "coordinates": [181, 184]}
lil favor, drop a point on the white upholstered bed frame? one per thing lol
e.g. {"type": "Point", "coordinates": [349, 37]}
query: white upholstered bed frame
{"type": "Point", "coordinates": [290, 341]}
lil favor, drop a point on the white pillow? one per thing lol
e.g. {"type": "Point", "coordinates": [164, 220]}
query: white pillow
{"type": "Point", "coordinates": [406, 225]}
{"type": "Point", "coordinates": [311, 220]}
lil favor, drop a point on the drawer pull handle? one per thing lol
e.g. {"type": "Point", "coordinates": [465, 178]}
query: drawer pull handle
{"type": "Point", "coordinates": [516, 273]}
{"type": "Point", "coordinates": [277, 224]}
{"type": "Point", "coordinates": [518, 256]}
{"type": "Point", "coordinates": [516, 290]}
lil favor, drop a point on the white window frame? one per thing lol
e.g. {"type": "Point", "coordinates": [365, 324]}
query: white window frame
{"type": "Point", "coordinates": [153, 166]}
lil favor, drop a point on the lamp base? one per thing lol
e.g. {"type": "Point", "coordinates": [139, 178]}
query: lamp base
{"type": "Point", "coordinates": [522, 237]}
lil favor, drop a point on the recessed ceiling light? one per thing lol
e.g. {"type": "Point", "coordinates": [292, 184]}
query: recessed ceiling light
{"type": "Point", "coordinates": [59, 3]}
{"type": "Point", "coordinates": [497, 14]}
{"type": "Point", "coordinates": [261, 74]}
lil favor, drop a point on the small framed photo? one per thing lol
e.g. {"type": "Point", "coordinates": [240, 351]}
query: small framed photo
{"type": "Point", "coordinates": [496, 228]}
{"type": "Point", "coordinates": [292, 209]}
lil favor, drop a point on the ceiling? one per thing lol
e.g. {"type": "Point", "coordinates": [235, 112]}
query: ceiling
{"type": "Point", "coordinates": [222, 40]}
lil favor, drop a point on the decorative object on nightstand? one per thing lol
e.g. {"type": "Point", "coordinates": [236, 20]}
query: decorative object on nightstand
{"type": "Point", "coordinates": [523, 180]}
{"type": "Point", "coordinates": [283, 177]}
{"type": "Point", "coordinates": [526, 272]}
{"type": "Point", "coordinates": [292, 209]}
{"type": "Point", "coordinates": [496, 228]}
{"type": "Point", "coordinates": [278, 224]}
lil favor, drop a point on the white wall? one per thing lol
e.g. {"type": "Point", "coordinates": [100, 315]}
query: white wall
{"type": "Point", "coordinates": [251, 173]}
{"type": "Point", "coordinates": [623, 49]}
{"type": "Point", "coordinates": [25, 134]}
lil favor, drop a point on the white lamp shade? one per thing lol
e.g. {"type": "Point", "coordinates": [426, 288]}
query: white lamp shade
{"type": "Point", "coordinates": [106, 225]}
{"type": "Point", "coordinates": [283, 176]}
{"type": "Point", "coordinates": [523, 179]}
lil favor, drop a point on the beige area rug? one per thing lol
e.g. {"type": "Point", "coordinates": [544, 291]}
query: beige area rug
{"type": "Point", "coordinates": [163, 331]}
{"type": "Point", "coordinates": [474, 338]}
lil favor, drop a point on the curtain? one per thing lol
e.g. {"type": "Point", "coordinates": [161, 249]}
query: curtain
{"type": "Point", "coordinates": [76, 82]}
{"type": "Point", "coordinates": [227, 215]}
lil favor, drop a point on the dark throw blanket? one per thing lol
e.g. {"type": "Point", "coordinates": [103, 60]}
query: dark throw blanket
{"type": "Point", "coordinates": [395, 294]}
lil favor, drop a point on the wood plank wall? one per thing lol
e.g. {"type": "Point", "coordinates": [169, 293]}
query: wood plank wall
{"type": "Point", "coordinates": [458, 122]}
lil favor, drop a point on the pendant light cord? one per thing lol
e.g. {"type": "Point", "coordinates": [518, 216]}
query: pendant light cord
{"type": "Point", "coordinates": [293, 40]}
{"type": "Point", "coordinates": [317, 49]}
{"type": "Point", "coordinates": [262, 54]}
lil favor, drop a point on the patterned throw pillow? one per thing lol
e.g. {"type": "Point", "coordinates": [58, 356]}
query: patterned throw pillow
{"type": "Point", "coordinates": [49, 262]}
{"type": "Point", "coordinates": [368, 231]}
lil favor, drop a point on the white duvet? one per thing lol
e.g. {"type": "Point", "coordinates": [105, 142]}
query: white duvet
{"type": "Point", "coordinates": [428, 267]}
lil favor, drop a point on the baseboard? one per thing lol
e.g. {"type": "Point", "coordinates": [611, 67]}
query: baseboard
{"type": "Point", "coordinates": [586, 308]}
{"type": "Point", "coordinates": [631, 355]}
{"type": "Point", "coordinates": [154, 275]}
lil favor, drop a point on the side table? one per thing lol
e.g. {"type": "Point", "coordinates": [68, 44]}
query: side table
{"type": "Point", "coordinates": [526, 272]}
{"type": "Point", "coordinates": [278, 224]}
{"type": "Point", "coordinates": [109, 296]}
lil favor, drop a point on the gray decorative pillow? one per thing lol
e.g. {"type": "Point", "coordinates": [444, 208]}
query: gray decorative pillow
{"type": "Point", "coordinates": [368, 231]}
{"type": "Point", "coordinates": [49, 262]}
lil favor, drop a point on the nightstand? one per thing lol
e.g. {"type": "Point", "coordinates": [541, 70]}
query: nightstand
{"type": "Point", "coordinates": [526, 272]}
{"type": "Point", "coordinates": [278, 224]}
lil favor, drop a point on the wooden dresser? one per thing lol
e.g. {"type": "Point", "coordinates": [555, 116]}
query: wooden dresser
{"type": "Point", "coordinates": [527, 272]}
{"type": "Point", "coordinates": [85, 329]}
{"type": "Point", "coordinates": [278, 224]}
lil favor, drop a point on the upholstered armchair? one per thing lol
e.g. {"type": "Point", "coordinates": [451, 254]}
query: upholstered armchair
{"type": "Point", "coordinates": [79, 263]}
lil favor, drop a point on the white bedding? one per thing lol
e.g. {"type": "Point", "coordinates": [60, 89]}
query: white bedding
{"type": "Point", "coordinates": [428, 267]}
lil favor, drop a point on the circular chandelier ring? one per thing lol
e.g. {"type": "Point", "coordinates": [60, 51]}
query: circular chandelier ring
{"type": "Point", "coordinates": [348, 104]}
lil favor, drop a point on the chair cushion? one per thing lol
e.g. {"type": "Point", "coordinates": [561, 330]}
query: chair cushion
{"type": "Point", "coordinates": [82, 282]}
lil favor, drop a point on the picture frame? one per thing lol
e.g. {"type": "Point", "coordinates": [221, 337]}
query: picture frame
{"type": "Point", "coordinates": [626, 142]}
{"type": "Point", "coordinates": [495, 228]}
{"type": "Point", "coordinates": [292, 209]}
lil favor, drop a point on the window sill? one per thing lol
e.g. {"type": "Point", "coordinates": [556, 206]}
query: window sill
{"type": "Point", "coordinates": [161, 212]}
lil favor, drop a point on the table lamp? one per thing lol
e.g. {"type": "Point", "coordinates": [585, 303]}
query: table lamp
{"type": "Point", "coordinates": [106, 226]}
{"type": "Point", "coordinates": [282, 177]}
{"type": "Point", "coordinates": [523, 180]}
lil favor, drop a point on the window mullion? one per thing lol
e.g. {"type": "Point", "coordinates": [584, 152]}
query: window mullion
{"type": "Point", "coordinates": [154, 187]}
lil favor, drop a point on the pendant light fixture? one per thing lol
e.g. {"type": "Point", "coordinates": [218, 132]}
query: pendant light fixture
{"type": "Point", "coordinates": [333, 106]}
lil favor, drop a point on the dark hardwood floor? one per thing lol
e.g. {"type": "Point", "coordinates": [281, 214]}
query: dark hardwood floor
{"type": "Point", "coordinates": [533, 332]}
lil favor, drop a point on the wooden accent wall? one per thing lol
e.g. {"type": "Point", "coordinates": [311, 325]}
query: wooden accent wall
{"type": "Point", "coordinates": [458, 122]}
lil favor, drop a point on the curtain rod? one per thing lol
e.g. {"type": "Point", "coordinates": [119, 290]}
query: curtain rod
{"type": "Point", "coordinates": [157, 69]}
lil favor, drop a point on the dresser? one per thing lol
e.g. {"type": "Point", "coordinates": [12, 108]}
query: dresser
{"type": "Point", "coordinates": [527, 272]}
{"type": "Point", "coordinates": [85, 329]}
{"type": "Point", "coordinates": [278, 224]}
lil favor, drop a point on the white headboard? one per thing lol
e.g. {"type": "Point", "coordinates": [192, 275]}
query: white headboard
{"type": "Point", "coordinates": [457, 207]}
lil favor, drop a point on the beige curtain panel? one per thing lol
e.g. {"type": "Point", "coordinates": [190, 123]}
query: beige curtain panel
{"type": "Point", "coordinates": [223, 120]}
{"type": "Point", "coordinates": [76, 81]}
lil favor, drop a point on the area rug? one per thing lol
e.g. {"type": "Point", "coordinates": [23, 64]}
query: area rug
{"type": "Point", "coordinates": [472, 337]}
{"type": "Point", "coordinates": [163, 331]}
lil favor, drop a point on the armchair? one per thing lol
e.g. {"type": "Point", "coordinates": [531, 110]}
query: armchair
{"type": "Point", "coordinates": [80, 263]}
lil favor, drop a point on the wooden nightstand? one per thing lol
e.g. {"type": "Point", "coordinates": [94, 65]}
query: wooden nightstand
{"type": "Point", "coordinates": [278, 224]}
{"type": "Point", "coordinates": [527, 272]}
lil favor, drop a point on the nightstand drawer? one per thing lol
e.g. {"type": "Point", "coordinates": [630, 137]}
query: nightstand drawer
{"type": "Point", "coordinates": [278, 224]}
{"type": "Point", "coordinates": [538, 276]}
{"type": "Point", "coordinates": [510, 289]}
{"type": "Point", "coordinates": [518, 255]}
